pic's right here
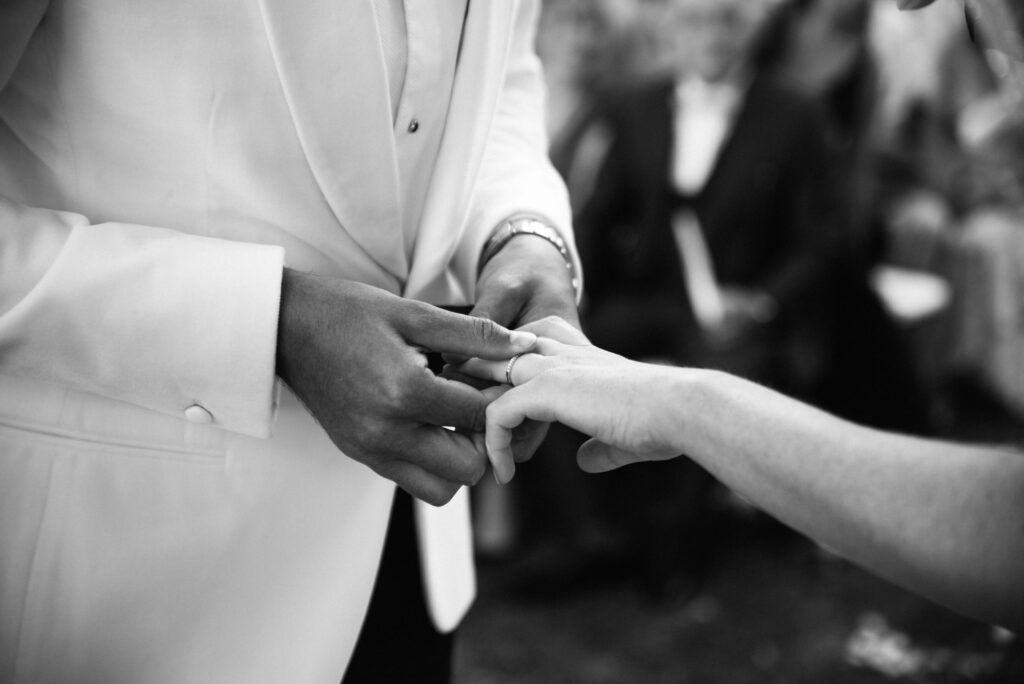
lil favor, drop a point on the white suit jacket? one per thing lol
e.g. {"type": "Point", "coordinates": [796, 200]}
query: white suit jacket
{"type": "Point", "coordinates": [163, 518]}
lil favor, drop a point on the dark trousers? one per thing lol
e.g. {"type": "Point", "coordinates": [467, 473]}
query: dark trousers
{"type": "Point", "coordinates": [398, 642]}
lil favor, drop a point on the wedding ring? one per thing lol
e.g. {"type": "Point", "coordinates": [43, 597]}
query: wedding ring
{"type": "Point", "coordinates": [508, 369]}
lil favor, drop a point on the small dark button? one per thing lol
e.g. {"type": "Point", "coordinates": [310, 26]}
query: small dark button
{"type": "Point", "coordinates": [414, 126]}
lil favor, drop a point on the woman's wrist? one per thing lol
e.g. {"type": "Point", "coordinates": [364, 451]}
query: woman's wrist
{"type": "Point", "coordinates": [688, 395]}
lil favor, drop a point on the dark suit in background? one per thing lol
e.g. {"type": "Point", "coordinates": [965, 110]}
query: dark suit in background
{"type": "Point", "coordinates": [765, 216]}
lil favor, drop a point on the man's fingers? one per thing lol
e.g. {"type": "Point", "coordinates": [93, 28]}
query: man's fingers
{"type": "Point", "coordinates": [594, 456]}
{"type": "Point", "coordinates": [491, 371]}
{"type": "Point", "coordinates": [446, 454]}
{"type": "Point", "coordinates": [501, 310]}
{"type": "Point", "coordinates": [451, 333]}
{"type": "Point", "coordinates": [422, 484]}
{"type": "Point", "coordinates": [446, 402]}
{"type": "Point", "coordinates": [455, 374]}
{"type": "Point", "coordinates": [494, 391]}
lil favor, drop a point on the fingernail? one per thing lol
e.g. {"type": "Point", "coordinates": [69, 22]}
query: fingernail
{"type": "Point", "coordinates": [496, 478]}
{"type": "Point", "coordinates": [523, 340]}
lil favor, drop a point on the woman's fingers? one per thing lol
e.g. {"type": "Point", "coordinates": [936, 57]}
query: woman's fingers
{"type": "Point", "coordinates": [520, 369]}
{"type": "Point", "coordinates": [510, 410]}
{"type": "Point", "coordinates": [498, 440]}
{"type": "Point", "coordinates": [501, 421]}
{"type": "Point", "coordinates": [557, 329]}
{"type": "Point", "coordinates": [555, 339]}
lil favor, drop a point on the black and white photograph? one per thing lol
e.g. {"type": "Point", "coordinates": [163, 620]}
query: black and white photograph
{"type": "Point", "coordinates": [511, 342]}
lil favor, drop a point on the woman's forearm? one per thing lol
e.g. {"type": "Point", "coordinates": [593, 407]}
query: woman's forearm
{"type": "Point", "coordinates": [942, 519]}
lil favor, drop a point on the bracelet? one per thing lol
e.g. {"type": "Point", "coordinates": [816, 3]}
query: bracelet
{"type": "Point", "coordinates": [529, 226]}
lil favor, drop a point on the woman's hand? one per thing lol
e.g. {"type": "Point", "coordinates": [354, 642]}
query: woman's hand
{"type": "Point", "coordinates": [625, 406]}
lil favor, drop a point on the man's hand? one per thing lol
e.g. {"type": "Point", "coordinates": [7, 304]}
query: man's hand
{"type": "Point", "coordinates": [354, 355]}
{"type": "Point", "coordinates": [525, 282]}
{"type": "Point", "coordinates": [624, 406]}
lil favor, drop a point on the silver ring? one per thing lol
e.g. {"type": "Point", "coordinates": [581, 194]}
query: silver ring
{"type": "Point", "coordinates": [508, 369]}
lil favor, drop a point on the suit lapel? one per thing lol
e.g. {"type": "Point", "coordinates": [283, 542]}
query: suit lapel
{"type": "Point", "coordinates": [475, 94]}
{"type": "Point", "coordinates": [332, 70]}
{"type": "Point", "coordinates": [731, 176]}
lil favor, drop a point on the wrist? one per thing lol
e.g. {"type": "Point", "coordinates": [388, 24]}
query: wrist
{"type": "Point", "coordinates": [689, 393]}
{"type": "Point", "coordinates": [288, 323]}
{"type": "Point", "coordinates": [535, 229]}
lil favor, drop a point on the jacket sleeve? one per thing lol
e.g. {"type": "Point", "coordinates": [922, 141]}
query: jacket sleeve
{"type": "Point", "coordinates": [153, 317]}
{"type": "Point", "coordinates": [516, 177]}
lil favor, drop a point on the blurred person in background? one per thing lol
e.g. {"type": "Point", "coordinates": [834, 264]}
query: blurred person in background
{"type": "Point", "coordinates": [950, 165]}
{"type": "Point", "coordinates": [864, 369]}
{"type": "Point", "coordinates": [939, 518]}
{"type": "Point", "coordinates": [823, 50]}
{"type": "Point", "coordinates": [710, 218]}
{"type": "Point", "coordinates": [590, 48]}
{"type": "Point", "coordinates": [706, 238]}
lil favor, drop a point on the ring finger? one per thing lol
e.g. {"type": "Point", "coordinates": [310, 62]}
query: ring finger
{"type": "Point", "coordinates": [518, 369]}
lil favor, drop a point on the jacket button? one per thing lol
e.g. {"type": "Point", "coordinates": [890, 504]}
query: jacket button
{"type": "Point", "coordinates": [198, 415]}
{"type": "Point", "coordinates": [414, 126]}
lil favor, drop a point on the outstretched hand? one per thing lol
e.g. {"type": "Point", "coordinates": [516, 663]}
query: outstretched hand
{"type": "Point", "coordinates": [625, 406]}
{"type": "Point", "coordinates": [524, 282]}
{"type": "Point", "coordinates": [354, 355]}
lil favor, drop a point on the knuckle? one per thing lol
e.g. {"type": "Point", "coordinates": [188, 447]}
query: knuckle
{"type": "Point", "coordinates": [554, 320]}
{"type": "Point", "coordinates": [440, 495]}
{"type": "Point", "coordinates": [465, 471]}
{"type": "Point", "coordinates": [419, 315]}
{"type": "Point", "coordinates": [485, 329]}
{"type": "Point", "coordinates": [379, 440]}
{"type": "Point", "coordinates": [561, 323]}
{"type": "Point", "coordinates": [360, 439]}
{"type": "Point", "coordinates": [396, 394]}
{"type": "Point", "coordinates": [511, 284]}
{"type": "Point", "coordinates": [551, 378]}
{"type": "Point", "coordinates": [516, 285]}
{"type": "Point", "coordinates": [475, 472]}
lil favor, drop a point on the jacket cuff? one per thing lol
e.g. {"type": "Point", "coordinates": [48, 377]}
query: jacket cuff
{"type": "Point", "coordinates": [177, 323]}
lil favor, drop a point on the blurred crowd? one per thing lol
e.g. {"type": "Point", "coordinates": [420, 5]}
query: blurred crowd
{"type": "Point", "coordinates": [825, 196]}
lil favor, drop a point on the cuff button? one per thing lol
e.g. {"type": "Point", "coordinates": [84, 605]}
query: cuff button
{"type": "Point", "coordinates": [198, 415]}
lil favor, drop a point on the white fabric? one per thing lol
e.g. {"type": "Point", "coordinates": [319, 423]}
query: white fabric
{"type": "Point", "coordinates": [431, 46]}
{"type": "Point", "coordinates": [986, 267]}
{"type": "Point", "coordinates": [704, 115]}
{"type": "Point", "coordinates": [394, 44]}
{"type": "Point", "coordinates": [182, 150]}
{"type": "Point", "coordinates": [698, 271]}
